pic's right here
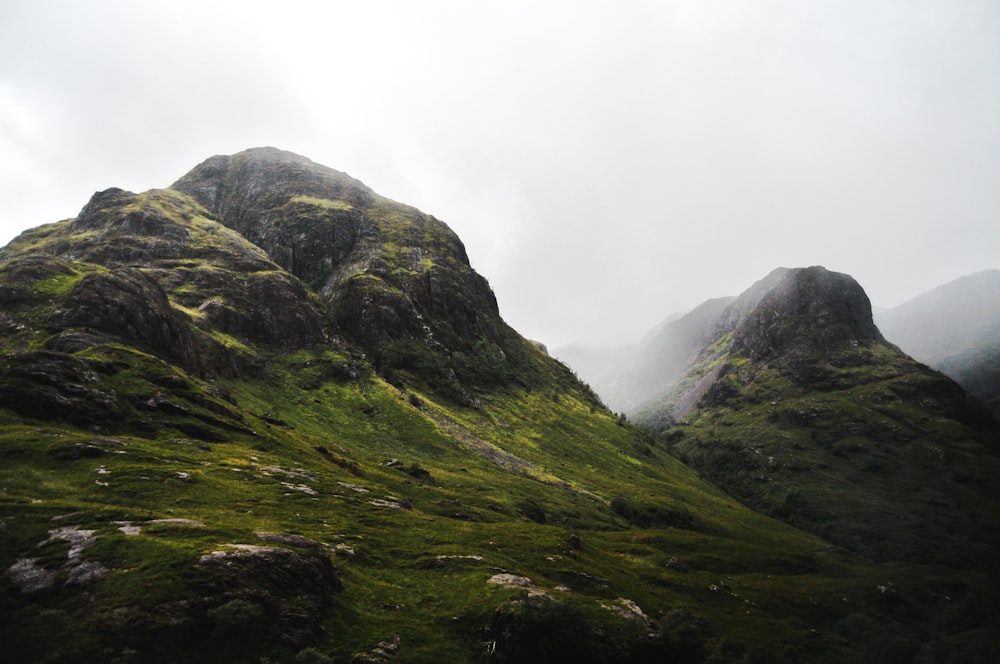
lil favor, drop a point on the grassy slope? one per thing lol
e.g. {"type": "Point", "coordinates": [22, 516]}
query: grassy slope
{"type": "Point", "coordinates": [419, 571]}
{"type": "Point", "coordinates": [871, 458]}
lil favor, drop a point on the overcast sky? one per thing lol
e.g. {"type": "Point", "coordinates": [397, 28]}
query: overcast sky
{"type": "Point", "coordinates": [605, 163]}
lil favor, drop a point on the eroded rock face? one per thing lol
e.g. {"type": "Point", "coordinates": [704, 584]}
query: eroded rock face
{"type": "Point", "coordinates": [392, 278]}
{"type": "Point", "coordinates": [282, 311]}
{"type": "Point", "coordinates": [232, 185]}
{"type": "Point", "coordinates": [27, 576]}
{"type": "Point", "coordinates": [42, 384]}
{"type": "Point", "coordinates": [307, 217]}
{"type": "Point", "coordinates": [808, 311]}
{"type": "Point", "coordinates": [130, 306]}
{"type": "Point", "coordinates": [118, 227]}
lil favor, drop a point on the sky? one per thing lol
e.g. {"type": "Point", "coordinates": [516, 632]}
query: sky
{"type": "Point", "coordinates": [606, 163]}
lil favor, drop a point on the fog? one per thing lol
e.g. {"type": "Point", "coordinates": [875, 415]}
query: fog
{"type": "Point", "coordinates": [605, 163]}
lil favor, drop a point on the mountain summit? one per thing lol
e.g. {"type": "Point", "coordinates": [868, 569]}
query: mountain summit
{"type": "Point", "coordinates": [798, 314]}
{"type": "Point", "coordinates": [393, 278]}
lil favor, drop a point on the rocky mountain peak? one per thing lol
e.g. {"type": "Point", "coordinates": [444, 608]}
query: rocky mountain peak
{"type": "Point", "coordinates": [228, 184]}
{"type": "Point", "coordinates": [803, 311]}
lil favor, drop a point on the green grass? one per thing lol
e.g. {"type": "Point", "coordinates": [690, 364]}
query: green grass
{"type": "Point", "coordinates": [420, 571]}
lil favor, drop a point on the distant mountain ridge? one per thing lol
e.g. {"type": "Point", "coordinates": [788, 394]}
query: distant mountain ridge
{"type": "Point", "coordinates": [625, 379]}
{"type": "Point", "coordinates": [796, 380]}
{"type": "Point", "coordinates": [954, 328]}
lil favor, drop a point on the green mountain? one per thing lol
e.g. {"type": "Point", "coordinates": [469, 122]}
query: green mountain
{"type": "Point", "coordinates": [268, 415]}
{"type": "Point", "coordinates": [954, 328]}
{"type": "Point", "coordinates": [799, 407]}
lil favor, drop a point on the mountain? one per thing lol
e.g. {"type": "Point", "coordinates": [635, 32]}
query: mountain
{"type": "Point", "coordinates": [955, 329]}
{"type": "Point", "coordinates": [626, 378]}
{"type": "Point", "coordinates": [799, 407]}
{"type": "Point", "coordinates": [266, 414]}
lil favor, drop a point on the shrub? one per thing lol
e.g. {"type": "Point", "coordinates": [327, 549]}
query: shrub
{"type": "Point", "coordinates": [685, 635]}
{"type": "Point", "coordinates": [312, 656]}
{"type": "Point", "coordinates": [539, 629]}
{"type": "Point", "coordinates": [646, 515]}
{"type": "Point", "coordinates": [236, 617]}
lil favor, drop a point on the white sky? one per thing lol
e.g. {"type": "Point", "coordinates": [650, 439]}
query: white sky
{"type": "Point", "coordinates": [605, 163]}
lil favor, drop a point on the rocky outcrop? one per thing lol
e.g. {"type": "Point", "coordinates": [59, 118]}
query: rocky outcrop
{"type": "Point", "coordinates": [307, 217]}
{"type": "Point", "coordinates": [235, 186]}
{"type": "Point", "coordinates": [289, 588]}
{"type": "Point", "coordinates": [52, 385]}
{"type": "Point", "coordinates": [807, 312]}
{"type": "Point", "coordinates": [128, 306]}
{"type": "Point", "coordinates": [395, 280]}
{"type": "Point", "coordinates": [793, 314]}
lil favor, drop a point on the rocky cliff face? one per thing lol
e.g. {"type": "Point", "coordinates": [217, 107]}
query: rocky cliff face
{"type": "Point", "coordinates": [792, 314]}
{"type": "Point", "coordinates": [807, 313]}
{"type": "Point", "coordinates": [307, 217]}
{"type": "Point", "coordinates": [391, 277]}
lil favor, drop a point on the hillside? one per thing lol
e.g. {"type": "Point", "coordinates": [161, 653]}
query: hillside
{"type": "Point", "coordinates": [799, 407]}
{"type": "Point", "coordinates": [955, 329]}
{"type": "Point", "coordinates": [268, 415]}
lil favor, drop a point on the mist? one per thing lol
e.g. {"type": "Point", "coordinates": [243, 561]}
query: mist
{"type": "Point", "coordinates": [605, 163]}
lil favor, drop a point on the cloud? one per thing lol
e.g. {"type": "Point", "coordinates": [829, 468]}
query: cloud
{"type": "Point", "coordinates": [605, 163]}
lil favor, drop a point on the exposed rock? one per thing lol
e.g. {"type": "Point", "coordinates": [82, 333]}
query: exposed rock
{"type": "Point", "coordinates": [809, 311]}
{"type": "Point", "coordinates": [127, 528]}
{"type": "Point", "coordinates": [186, 523]}
{"type": "Point", "coordinates": [78, 539]}
{"type": "Point", "coordinates": [288, 472]}
{"type": "Point", "coordinates": [85, 573]}
{"type": "Point", "coordinates": [395, 280]}
{"type": "Point", "coordinates": [382, 652]}
{"type": "Point", "coordinates": [521, 582]}
{"type": "Point", "coordinates": [628, 609]}
{"type": "Point", "coordinates": [290, 539]}
{"type": "Point", "coordinates": [511, 580]}
{"type": "Point", "coordinates": [129, 306]}
{"type": "Point", "coordinates": [303, 488]}
{"type": "Point", "coordinates": [379, 502]}
{"type": "Point", "coordinates": [121, 228]}
{"type": "Point", "coordinates": [295, 588]}
{"type": "Point", "coordinates": [28, 270]}
{"type": "Point", "coordinates": [43, 383]}
{"type": "Point", "coordinates": [27, 576]}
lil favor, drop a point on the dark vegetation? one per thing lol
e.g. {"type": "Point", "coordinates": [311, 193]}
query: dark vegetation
{"type": "Point", "coordinates": [268, 415]}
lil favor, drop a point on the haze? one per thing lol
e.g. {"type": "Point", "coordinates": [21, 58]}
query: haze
{"type": "Point", "coordinates": [605, 163]}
